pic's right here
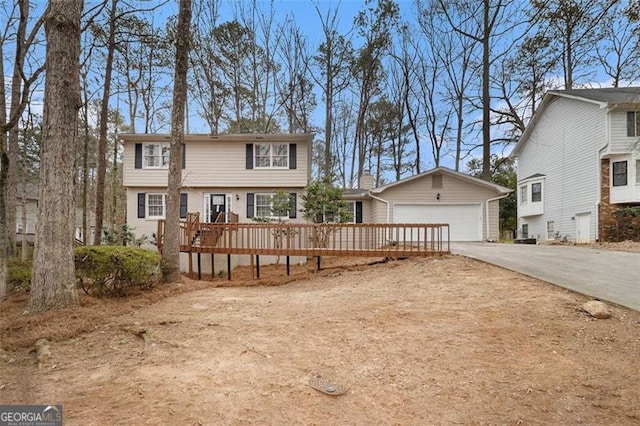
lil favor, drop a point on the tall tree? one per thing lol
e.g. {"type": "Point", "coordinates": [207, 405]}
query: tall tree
{"type": "Point", "coordinates": [488, 17]}
{"type": "Point", "coordinates": [102, 136]}
{"type": "Point", "coordinates": [53, 279]}
{"type": "Point", "coordinates": [375, 26]}
{"type": "Point", "coordinates": [571, 26]}
{"type": "Point", "coordinates": [20, 93]}
{"type": "Point", "coordinates": [332, 60]}
{"type": "Point", "coordinates": [171, 249]}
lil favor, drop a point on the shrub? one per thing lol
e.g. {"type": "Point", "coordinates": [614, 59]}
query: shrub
{"type": "Point", "coordinates": [625, 225]}
{"type": "Point", "coordinates": [110, 270]}
{"type": "Point", "coordinates": [18, 273]}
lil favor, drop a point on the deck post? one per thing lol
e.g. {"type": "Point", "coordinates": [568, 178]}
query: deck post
{"type": "Point", "coordinates": [318, 263]}
{"type": "Point", "coordinates": [229, 267]}
{"type": "Point", "coordinates": [213, 269]}
{"type": "Point", "coordinates": [258, 266]}
{"type": "Point", "coordinates": [199, 268]}
{"type": "Point", "coordinates": [288, 267]}
{"type": "Point", "coordinates": [190, 265]}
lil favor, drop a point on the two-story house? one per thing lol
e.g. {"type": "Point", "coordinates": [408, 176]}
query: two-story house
{"type": "Point", "coordinates": [578, 160]}
{"type": "Point", "coordinates": [223, 176]}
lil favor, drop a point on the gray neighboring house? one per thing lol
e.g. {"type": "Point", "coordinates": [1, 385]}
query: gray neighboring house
{"type": "Point", "coordinates": [31, 208]}
{"type": "Point", "coordinates": [578, 161]}
{"type": "Point", "coordinates": [441, 195]}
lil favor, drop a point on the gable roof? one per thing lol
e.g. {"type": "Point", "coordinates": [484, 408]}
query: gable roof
{"type": "Point", "coordinates": [444, 170]}
{"type": "Point", "coordinates": [610, 97]}
{"type": "Point", "coordinates": [223, 137]}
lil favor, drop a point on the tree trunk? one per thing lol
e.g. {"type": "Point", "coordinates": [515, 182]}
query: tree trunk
{"type": "Point", "coordinates": [171, 249]}
{"type": "Point", "coordinates": [16, 83]}
{"type": "Point", "coordinates": [4, 240]}
{"type": "Point", "coordinates": [486, 96]}
{"type": "Point", "coordinates": [53, 279]}
{"type": "Point", "coordinates": [104, 117]}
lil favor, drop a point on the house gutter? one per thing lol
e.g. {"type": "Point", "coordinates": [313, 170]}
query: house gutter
{"type": "Point", "coordinates": [487, 222]}
{"type": "Point", "coordinates": [383, 201]}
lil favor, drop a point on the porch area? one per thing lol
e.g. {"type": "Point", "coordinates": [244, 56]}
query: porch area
{"type": "Point", "coordinates": [309, 240]}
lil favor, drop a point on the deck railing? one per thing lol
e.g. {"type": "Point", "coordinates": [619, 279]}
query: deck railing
{"type": "Point", "coordinates": [296, 239]}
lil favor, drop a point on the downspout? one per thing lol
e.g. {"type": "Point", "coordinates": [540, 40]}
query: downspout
{"type": "Point", "coordinates": [383, 201]}
{"type": "Point", "coordinates": [486, 218]}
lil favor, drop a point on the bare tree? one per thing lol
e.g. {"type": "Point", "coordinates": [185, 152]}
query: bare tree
{"type": "Point", "coordinates": [571, 25]}
{"type": "Point", "coordinates": [53, 279]}
{"type": "Point", "coordinates": [171, 249]}
{"type": "Point", "coordinates": [332, 60]}
{"type": "Point", "coordinates": [618, 51]}
{"type": "Point", "coordinates": [22, 80]}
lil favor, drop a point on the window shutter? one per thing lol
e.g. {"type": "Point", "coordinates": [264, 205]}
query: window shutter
{"type": "Point", "coordinates": [184, 156]}
{"type": "Point", "coordinates": [141, 204]}
{"type": "Point", "coordinates": [358, 212]}
{"type": "Point", "coordinates": [631, 124]}
{"type": "Point", "coordinates": [250, 205]}
{"type": "Point", "coordinates": [293, 198]}
{"type": "Point", "coordinates": [183, 205]}
{"type": "Point", "coordinates": [249, 156]}
{"type": "Point", "coordinates": [292, 156]}
{"type": "Point", "coordinates": [138, 161]}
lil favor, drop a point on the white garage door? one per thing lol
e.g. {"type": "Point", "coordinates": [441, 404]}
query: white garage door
{"type": "Point", "coordinates": [465, 220]}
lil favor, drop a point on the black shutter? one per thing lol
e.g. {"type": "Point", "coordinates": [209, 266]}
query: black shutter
{"type": "Point", "coordinates": [249, 156]}
{"type": "Point", "coordinates": [141, 204]}
{"type": "Point", "coordinates": [293, 198]}
{"type": "Point", "coordinates": [184, 156]}
{"type": "Point", "coordinates": [183, 205]}
{"type": "Point", "coordinates": [358, 212]}
{"type": "Point", "coordinates": [138, 161]}
{"type": "Point", "coordinates": [292, 156]}
{"type": "Point", "coordinates": [250, 205]}
{"type": "Point", "coordinates": [631, 124]}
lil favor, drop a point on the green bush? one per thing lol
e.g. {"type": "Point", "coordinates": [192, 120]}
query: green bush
{"type": "Point", "coordinates": [110, 270]}
{"type": "Point", "coordinates": [19, 273]}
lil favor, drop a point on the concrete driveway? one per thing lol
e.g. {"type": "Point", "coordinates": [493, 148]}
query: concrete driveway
{"type": "Point", "coordinates": [607, 275]}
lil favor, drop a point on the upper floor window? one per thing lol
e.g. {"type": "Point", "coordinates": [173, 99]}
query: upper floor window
{"type": "Point", "coordinates": [637, 172]}
{"type": "Point", "coordinates": [536, 192]}
{"type": "Point", "coordinates": [619, 173]}
{"type": "Point", "coordinates": [523, 194]}
{"type": "Point", "coordinates": [272, 155]}
{"type": "Point", "coordinates": [633, 123]}
{"type": "Point", "coordinates": [156, 155]}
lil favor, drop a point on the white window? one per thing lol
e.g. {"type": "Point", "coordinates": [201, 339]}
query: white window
{"type": "Point", "coordinates": [637, 172]}
{"type": "Point", "coordinates": [155, 155]}
{"type": "Point", "coordinates": [269, 206]}
{"type": "Point", "coordinates": [156, 206]}
{"type": "Point", "coordinates": [633, 123]}
{"type": "Point", "coordinates": [523, 194]}
{"type": "Point", "coordinates": [272, 156]}
{"type": "Point", "coordinates": [351, 208]}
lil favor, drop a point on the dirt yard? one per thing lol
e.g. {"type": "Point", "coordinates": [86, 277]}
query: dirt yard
{"type": "Point", "coordinates": [416, 341]}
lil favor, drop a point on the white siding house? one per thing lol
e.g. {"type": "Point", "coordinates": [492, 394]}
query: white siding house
{"type": "Point", "coordinates": [222, 174]}
{"type": "Point", "coordinates": [566, 161]}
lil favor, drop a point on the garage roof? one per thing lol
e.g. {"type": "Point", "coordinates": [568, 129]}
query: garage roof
{"type": "Point", "coordinates": [444, 170]}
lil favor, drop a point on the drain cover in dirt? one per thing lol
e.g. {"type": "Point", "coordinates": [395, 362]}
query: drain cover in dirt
{"type": "Point", "coordinates": [327, 386]}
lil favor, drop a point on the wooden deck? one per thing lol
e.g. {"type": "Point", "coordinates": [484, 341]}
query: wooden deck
{"type": "Point", "coordinates": [295, 239]}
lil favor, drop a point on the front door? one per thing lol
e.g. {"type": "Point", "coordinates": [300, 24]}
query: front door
{"type": "Point", "coordinates": [583, 228]}
{"type": "Point", "coordinates": [218, 204]}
